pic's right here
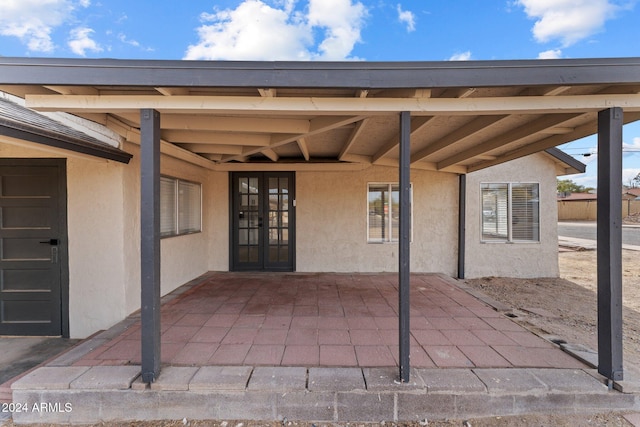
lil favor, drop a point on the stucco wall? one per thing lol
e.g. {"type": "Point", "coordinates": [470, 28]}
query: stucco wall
{"type": "Point", "coordinates": [514, 259]}
{"type": "Point", "coordinates": [332, 222]}
{"type": "Point", "coordinates": [183, 258]}
{"type": "Point", "coordinates": [103, 205]}
{"type": "Point", "coordinates": [95, 235]}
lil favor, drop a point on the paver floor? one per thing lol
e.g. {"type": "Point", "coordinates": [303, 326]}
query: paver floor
{"type": "Point", "coordinates": [347, 320]}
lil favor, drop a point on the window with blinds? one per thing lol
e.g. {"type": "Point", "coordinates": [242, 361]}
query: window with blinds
{"type": "Point", "coordinates": [180, 207]}
{"type": "Point", "coordinates": [510, 212]}
{"type": "Point", "coordinates": [383, 219]}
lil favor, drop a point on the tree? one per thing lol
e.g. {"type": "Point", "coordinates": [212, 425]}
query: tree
{"type": "Point", "coordinates": [635, 182]}
{"type": "Point", "coordinates": [568, 186]}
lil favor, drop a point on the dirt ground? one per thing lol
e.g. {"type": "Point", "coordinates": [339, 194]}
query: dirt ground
{"type": "Point", "coordinates": [567, 307]}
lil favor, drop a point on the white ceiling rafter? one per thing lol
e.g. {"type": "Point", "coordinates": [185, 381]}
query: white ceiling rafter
{"type": "Point", "coordinates": [417, 123]}
{"type": "Point", "coordinates": [318, 125]}
{"type": "Point", "coordinates": [505, 138]}
{"type": "Point", "coordinates": [357, 130]}
{"type": "Point", "coordinates": [304, 149]}
{"type": "Point", "coordinates": [460, 134]}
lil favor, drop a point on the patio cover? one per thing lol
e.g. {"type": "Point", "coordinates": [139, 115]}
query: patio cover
{"type": "Point", "coordinates": [455, 117]}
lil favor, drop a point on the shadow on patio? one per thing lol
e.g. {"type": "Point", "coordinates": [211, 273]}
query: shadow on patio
{"type": "Point", "coordinates": [346, 320]}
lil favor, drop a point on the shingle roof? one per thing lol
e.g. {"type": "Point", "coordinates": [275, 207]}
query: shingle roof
{"type": "Point", "coordinates": [22, 123]}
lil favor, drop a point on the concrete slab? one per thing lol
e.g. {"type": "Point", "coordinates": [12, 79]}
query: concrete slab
{"type": "Point", "coordinates": [50, 378]}
{"type": "Point", "coordinates": [19, 354]}
{"type": "Point", "coordinates": [451, 381]}
{"type": "Point", "coordinates": [568, 380]}
{"type": "Point", "coordinates": [174, 378]}
{"type": "Point", "coordinates": [277, 378]}
{"type": "Point", "coordinates": [386, 379]}
{"type": "Point", "coordinates": [501, 381]}
{"type": "Point", "coordinates": [106, 378]}
{"type": "Point", "coordinates": [336, 379]}
{"type": "Point", "coordinates": [221, 378]}
{"type": "Point", "coordinates": [582, 353]}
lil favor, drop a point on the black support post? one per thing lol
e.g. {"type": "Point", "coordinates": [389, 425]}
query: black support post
{"type": "Point", "coordinates": [462, 221]}
{"type": "Point", "coordinates": [404, 244]}
{"type": "Point", "coordinates": [150, 242]}
{"type": "Point", "coordinates": [609, 244]}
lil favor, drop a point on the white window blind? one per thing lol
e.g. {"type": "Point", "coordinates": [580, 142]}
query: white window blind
{"type": "Point", "coordinates": [168, 205]}
{"type": "Point", "coordinates": [510, 212]}
{"type": "Point", "coordinates": [189, 207]}
{"type": "Point", "coordinates": [180, 207]}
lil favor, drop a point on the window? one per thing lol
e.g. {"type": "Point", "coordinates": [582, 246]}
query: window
{"type": "Point", "coordinates": [383, 219]}
{"type": "Point", "coordinates": [510, 212]}
{"type": "Point", "coordinates": [180, 207]}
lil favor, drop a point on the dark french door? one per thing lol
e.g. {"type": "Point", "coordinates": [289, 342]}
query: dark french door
{"type": "Point", "coordinates": [32, 246]}
{"type": "Point", "coordinates": [263, 221]}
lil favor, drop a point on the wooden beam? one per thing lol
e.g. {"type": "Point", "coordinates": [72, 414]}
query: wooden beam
{"type": "Point", "coordinates": [417, 123]}
{"type": "Point", "coordinates": [268, 93]}
{"type": "Point", "coordinates": [318, 125]}
{"type": "Point", "coordinates": [236, 105]}
{"type": "Point", "coordinates": [200, 137]}
{"type": "Point", "coordinates": [228, 124]}
{"type": "Point", "coordinates": [353, 137]}
{"type": "Point", "coordinates": [272, 155]}
{"type": "Point", "coordinates": [302, 144]}
{"type": "Point", "coordinates": [552, 141]}
{"type": "Point", "coordinates": [510, 136]}
{"type": "Point", "coordinates": [460, 134]}
{"type": "Point", "coordinates": [172, 91]}
{"type": "Point", "coordinates": [213, 148]}
{"type": "Point", "coordinates": [74, 90]}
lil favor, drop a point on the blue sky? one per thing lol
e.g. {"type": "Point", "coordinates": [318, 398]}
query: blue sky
{"type": "Point", "coordinates": [371, 30]}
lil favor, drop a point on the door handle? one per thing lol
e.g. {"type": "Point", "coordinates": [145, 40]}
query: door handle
{"type": "Point", "coordinates": [52, 242]}
{"type": "Point", "coordinates": [259, 222]}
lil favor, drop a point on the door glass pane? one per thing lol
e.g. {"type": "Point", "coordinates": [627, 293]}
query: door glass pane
{"type": "Point", "coordinates": [253, 185]}
{"type": "Point", "coordinates": [273, 185]}
{"type": "Point", "coordinates": [284, 185]}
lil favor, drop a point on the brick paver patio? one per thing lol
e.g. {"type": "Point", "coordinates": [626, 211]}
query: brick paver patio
{"type": "Point", "coordinates": [296, 319]}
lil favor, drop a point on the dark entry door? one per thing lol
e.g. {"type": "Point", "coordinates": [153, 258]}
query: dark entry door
{"type": "Point", "coordinates": [32, 230]}
{"type": "Point", "coordinates": [263, 221]}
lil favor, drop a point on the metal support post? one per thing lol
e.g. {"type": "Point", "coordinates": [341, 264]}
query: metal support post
{"type": "Point", "coordinates": [462, 221]}
{"type": "Point", "coordinates": [150, 242]}
{"type": "Point", "coordinates": [404, 244]}
{"type": "Point", "coordinates": [609, 243]}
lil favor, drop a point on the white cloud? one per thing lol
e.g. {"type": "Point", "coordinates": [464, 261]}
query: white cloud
{"type": "Point", "coordinates": [629, 174]}
{"type": "Point", "coordinates": [256, 30]}
{"type": "Point", "coordinates": [633, 146]}
{"type": "Point", "coordinates": [80, 41]}
{"type": "Point", "coordinates": [407, 17]}
{"type": "Point", "coordinates": [33, 21]}
{"type": "Point", "coordinates": [567, 20]}
{"type": "Point", "coordinates": [550, 54]}
{"type": "Point", "coordinates": [462, 56]}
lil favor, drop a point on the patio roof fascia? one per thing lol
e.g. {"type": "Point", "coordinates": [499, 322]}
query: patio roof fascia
{"type": "Point", "coordinates": [365, 75]}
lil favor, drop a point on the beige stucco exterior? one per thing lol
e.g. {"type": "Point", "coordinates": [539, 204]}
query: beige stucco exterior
{"type": "Point", "coordinates": [332, 222]}
{"type": "Point", "coordinates": [331, 227]}
{"type": "Point", "coordinates": [514, 259]}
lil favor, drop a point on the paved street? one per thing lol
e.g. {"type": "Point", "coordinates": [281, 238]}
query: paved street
{"type": "Point", "coordinates": [587, 230]}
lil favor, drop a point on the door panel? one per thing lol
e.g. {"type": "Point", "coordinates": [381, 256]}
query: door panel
{"type": "Point", "coordinates": [32, 224]}
{"type": "Point", "coordinates": [262, 221]}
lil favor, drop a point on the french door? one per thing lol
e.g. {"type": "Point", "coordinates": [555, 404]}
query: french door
{"type": "Point", "coordinates": [263, 221]}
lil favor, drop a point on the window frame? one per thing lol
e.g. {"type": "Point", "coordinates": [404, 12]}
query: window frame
{"type": "Point", "coordinates": [388, 239]}
{"type": "Point", "coordinates": [510, 225]}
{"type": "Point", "coordinates": [177, 229]}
